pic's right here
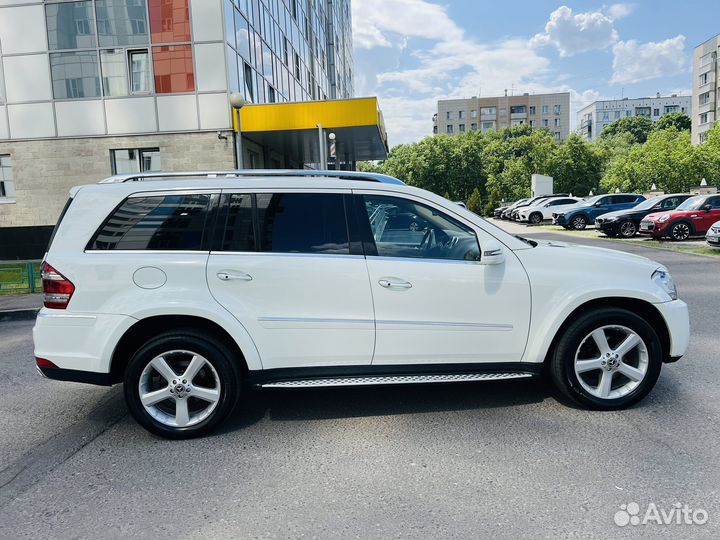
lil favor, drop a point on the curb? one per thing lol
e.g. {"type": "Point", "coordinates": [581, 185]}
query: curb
{"type": "Point", "coordinates": [18, 314]}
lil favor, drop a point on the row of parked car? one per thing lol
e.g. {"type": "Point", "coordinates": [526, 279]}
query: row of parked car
{"type": "Point", "coordinates": [675, 216]}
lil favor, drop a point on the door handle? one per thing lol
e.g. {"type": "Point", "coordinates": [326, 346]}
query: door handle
{"type": "Point", "coordinates": [226, 275]}
{"type": "Point", "coordinates": [394, 284]}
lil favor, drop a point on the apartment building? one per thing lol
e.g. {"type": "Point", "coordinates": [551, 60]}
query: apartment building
{"type": "Point", "coordinates": [539, 111]}
{"type": "Point", "coordinates": [706, 85]}
{"type": "Point", "coordinates": [594, 118]}
{"type": "Point", "coordinates": [89, 88]}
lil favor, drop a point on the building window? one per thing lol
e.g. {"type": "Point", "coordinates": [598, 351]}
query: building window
{"type": "Point", "coordinates": [461, 115]}
{"type": "Point", "coordinates": [557, 109]}
{"type": "Point", "coordinates": [449, 115]}
{"type": "Point", "coordinates": [139, 71]}
{"type": "Point", "coordinates": [503, 112]}
{"type": "Point", "coordinates": [704, 118]}
{"type": "Point", "coordinates": [557, 122]}
{"type": "Point", "coordinates": [532, 123]}
{"type": "Point", "coordinates": [133, 160]}
{"type": "Point", "coordinates": [672, 109]}
{"type": "Point", "coordinates": [122, 22]}
{"type": "Point", "coordinates": [518, 109]}
{"type": "Point", "coordinates": [628, 113]}
{"type": "Point", "coordinates": [546, 122]}
{"type": "Point", "coordinates": [702, 137]}
{"type": "Point", "coordinates": [617, 115]}
{"type": "Point", "coordinates": [7, 186]}
{"type": "Point", "coordinates": [605, 116]}
{"type": "Point", "coordinates": [557, 135]}
{"type": "Point", "coordinates": [532, 109]}
{"type": "Point", "coordinates": [173, 69]}
{"type": "Point", "coordinates": [473, 127]}
{"type": "Point", "coordinates": [75, 75]}
{"type": "Point", "coordinates": [544, 109]}
{"type": "Point", "coordinates": [249, 84]}
{"type": "Point", "coordinates": [114, 72]}
{"type": "Point", "coordinates": [473, 113]}
{"type": "Point", "coordinates": [169, 21]}
{"type": "Point", "coordinates": [435, 130]}
{"type": "Point", "coordinates": [486, 126]}
{"type": "Point", "coordinates": [704, 79]}
{"type": "Point", "coordinates": [488, 110]}
{"type": "Point", "coordinates": [461, 128]}
{"type": "Point", "coordinates": [704, 98]}
{"type": "Point", "coordinates": [70, 25]}
{"type": "Point", "coordinates": [449, 129]}
{"type": "Point", "coordinates": [656, 112]}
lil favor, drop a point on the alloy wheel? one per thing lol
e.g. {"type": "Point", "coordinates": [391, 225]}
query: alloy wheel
{"type": "Point", "coordinates": [680, 231]}
{"type": "Point", "coordinates": [535, 218]}
{"type": "Point", "coordinates": [579, 222]}
{"type": "Point", "coordinates": [179, 388]}
{"type": "Point", "coordinates": [628, 229]}
{"type": "Point", "coordinates": [611, 362]}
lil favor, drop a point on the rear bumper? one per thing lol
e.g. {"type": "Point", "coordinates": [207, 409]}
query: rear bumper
{"type": "Point", "coordinates": [676, 318]}
{"type": "Point", "coordinates": [74, 375]}
{"type": "Point", "coordinates": [77, 343]}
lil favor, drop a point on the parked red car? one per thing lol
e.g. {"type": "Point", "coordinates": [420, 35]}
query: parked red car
{"type": "Point", "coordinates": [693, 217]}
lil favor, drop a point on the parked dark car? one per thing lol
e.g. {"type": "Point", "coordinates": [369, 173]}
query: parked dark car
{"type": "Point", "coordinates": [498, 212]}
{"type": "Point", "coordinates": [584, 214]}
{"type": "Point", "coordinates": [626, 223]}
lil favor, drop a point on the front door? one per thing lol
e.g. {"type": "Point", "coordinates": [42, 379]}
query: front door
{"type": "Point", "coordinates": [704, 219]}
{"type": "Point", "coordinates": [283, 267]}
{"type": "Point", "coordinates": [434, 301]}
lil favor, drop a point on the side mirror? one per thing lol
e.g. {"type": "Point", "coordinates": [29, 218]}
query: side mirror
{"type": "Point", "coordinates": [707, 207]}
{"type": "Point", "coordinates": [492, 253]}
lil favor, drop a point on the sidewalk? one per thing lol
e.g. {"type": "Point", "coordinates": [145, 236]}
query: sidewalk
{"type": "Point", "coordinates": [19, 307]}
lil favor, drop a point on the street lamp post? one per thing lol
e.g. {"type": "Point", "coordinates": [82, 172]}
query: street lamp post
{"type": "Point", "coordinates": [237, 102]}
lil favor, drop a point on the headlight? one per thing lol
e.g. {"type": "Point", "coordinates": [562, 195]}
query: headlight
{"type": "Point", "coordinates": [665, 282]}
{"type": "Point", "coordinates": [664, 218]}
{"type": "Point", "coordinates": [610, 219]}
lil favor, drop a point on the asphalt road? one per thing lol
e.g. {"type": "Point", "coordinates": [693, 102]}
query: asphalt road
{"type": "Point", "coordinates": [482, 460]}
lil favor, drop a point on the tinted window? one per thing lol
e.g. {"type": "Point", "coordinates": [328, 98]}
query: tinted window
{"type": "Point", "coordinates": [714, 202]}
{"type": "Point", "coordinates": [404, 228]}
{"type": "Point", "coordinates": [239, 229]}
{"type": "Point", "coordinates": [623, 199]}
{"type": "Point", "coordinates": [671, 203]}
{"type": "Point", "coordinates": [171, 222]}
{"type": "Point", "coordinates": [302, 223]}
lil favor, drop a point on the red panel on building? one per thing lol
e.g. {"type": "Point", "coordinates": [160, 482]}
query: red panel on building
{"type": "Point", "coordinates": [169, 21]}
{"type": "Point", "coordinates": [173, 67]}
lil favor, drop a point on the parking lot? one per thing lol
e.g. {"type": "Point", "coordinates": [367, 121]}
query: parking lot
{"type": "Point", "coordinates": [498, 459]}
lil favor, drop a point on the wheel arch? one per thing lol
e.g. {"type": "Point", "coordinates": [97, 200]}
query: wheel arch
{"type": "Point", "coordinates": [642, 308]}
{"type": "Point", "coordinates": [682, 220]}
{"type": "Point", "coordinates": [144, 329]}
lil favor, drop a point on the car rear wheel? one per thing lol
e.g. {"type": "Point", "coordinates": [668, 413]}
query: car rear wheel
{"type": "Point", "coordinates": [181, 385]}
{"type": "Point", "coordinates": [607, 359]}
{"type": "Point", "coordinates": [535, 218]}
{"type": "Point", "coordinates": [680, 231]}
{"type": "Point", "coordinates": [628, 229]}
{"type": "Point", "coordinates": [578, 223]}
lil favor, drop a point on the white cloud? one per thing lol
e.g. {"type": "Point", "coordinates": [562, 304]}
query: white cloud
{"type": "Point", "coordinates": [580, 32]}
{"type": "Point", "coordinates": [634, 62]}
{"type": "Point", "coordinates": [620, 11]}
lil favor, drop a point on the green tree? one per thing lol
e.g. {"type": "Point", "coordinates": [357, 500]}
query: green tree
{"type": "Point", "coordinates": [474, 203]}
{"type": "Point", "coordinates": [679, 121]}
{"type": "Point", "coordinates": [577, 167]}
{"type": "Point", "coordinates": [638, 126]}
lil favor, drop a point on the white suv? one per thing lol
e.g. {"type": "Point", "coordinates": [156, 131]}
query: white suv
{"type": "Point", "coordinates": [184, 287]}
{"type": "Point", "coordinates": [543, 211]}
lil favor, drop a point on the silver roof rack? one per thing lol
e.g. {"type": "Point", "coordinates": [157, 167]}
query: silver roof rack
{"type": "Point", "coordinates": [249, 173]}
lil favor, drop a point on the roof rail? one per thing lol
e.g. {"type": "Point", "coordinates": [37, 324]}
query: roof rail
{"type": "Point", "coordinates": [248, 173]}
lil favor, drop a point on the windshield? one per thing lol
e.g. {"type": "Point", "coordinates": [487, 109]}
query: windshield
{"type": "Point", "coordinates": [647, 204]}
{"type": "Point", "coordinates": [693, 203]}
{"type": "Point", "coordinates": [593, 200]}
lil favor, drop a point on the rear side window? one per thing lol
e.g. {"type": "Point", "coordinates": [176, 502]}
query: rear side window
{"type": "Point", "coordinates": [302, 223]}
{"type": "Point", "coordinates": [163, 222]}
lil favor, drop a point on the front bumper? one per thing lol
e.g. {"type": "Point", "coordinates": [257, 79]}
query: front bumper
{"type": "Point", "coordinates": [608, 227]}
{"type": "Point", "coordinates": [675, 314]}
{"type": "Point", "coordinates": [653, 228]}
{"type": "Point", "coordinates": [559, 219]}
{"type": "Point", "coordinates": [713, 238]}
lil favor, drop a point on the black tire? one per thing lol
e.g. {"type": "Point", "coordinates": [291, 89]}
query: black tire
{"type": "Point", "coordinates": [535, 218]}
{"type": "Point", "coordinates": [562, 361]}
{"type": "Point", "coordinates": [579, 222]}
{"type": "Point", "coordinates": [680, 231]}
{"type": "Point", "coordinates": [221, 359]}
{"type": "Point", "coordinates": [628, 228]}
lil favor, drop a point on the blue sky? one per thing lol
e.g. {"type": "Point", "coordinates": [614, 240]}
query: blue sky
{"type": "Point", "coordinates": [410, 53]}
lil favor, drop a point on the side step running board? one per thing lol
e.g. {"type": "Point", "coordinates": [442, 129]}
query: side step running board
{"type": "Point", "coordinates": [359, 380]}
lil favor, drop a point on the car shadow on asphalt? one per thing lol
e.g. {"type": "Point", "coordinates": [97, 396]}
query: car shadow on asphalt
{"type": "Point", "coordinates": [348, 402]}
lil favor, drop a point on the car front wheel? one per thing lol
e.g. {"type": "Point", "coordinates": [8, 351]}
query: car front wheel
{"type": "Point", "coordinates": [535, 218]}
{"type": "Point", "coordinates": [578, 223]}
{"type": "Point", "coordinates": [607, 359]}
{"type": "Point", "coordinates": [181, 385]}
{"type": "Point", "coordinates": [628, 229]}
{"type": "Point", "coordinates": [680, 231]}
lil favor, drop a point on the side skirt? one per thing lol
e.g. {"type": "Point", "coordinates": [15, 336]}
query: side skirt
{"type": "Point", "coordinates": [313, 377]}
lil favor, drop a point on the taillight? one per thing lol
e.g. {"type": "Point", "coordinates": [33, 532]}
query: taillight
{"type": "Point", "coordinates": [57, 288]}
{"type": "Point", "coordinates": [43, 362]}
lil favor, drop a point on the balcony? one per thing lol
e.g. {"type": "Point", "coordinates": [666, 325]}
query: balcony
{"type": "Point", "coordinates": [488, 117]}
{"type": "Point", "coordinates": [706, 107]}
{"type": "Point", "coordinates": [518, 116]}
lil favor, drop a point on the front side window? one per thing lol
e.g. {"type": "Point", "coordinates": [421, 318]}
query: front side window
{"type": "Point", "coordinates": [405, 228]}
{"type": "Point", "coordinates": [169, 222]}
{"type": "Point", "coordinates": [302, 223]}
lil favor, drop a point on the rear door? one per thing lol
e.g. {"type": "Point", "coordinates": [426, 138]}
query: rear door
{"type": "Point", "coordinates": [282, 264]}
{"type": "Point", "coordinates": [623, 202]}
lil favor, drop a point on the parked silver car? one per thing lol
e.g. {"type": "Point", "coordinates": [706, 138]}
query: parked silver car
{"type": "Point", "coordinates": [713, 235]}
